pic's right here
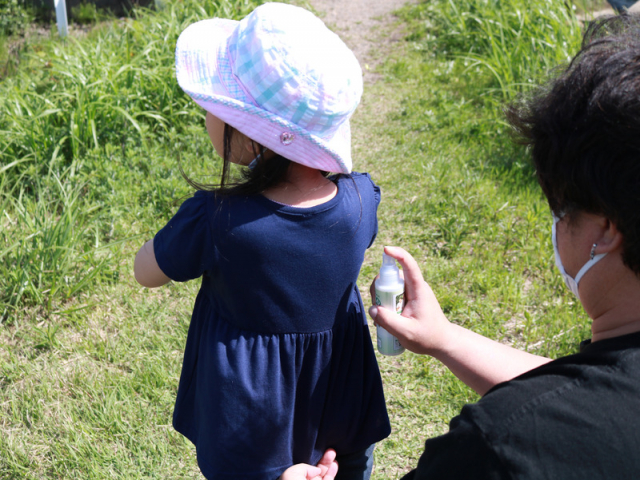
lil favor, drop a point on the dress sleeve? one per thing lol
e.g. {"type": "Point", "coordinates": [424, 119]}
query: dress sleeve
{"type": "Point", "coordinates": [184, 248]}
{"type": "Point", "coordinates": [376, 202]}
{"type": "Point", "coordinates": [463, 453]}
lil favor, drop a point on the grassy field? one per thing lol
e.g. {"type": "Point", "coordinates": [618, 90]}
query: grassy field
{"type": "Point", "coordinates": [93, 132]}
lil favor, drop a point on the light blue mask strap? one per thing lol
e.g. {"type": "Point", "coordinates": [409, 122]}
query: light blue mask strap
{"type": "Point", "coordinates": [588, 265]}
{"type": "Point", "coordinates": [254, 162]}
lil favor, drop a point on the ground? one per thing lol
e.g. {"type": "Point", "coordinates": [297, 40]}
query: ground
{"type": "Point", "coordinates": [366, 26]}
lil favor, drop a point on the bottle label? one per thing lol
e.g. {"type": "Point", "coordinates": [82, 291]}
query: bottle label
{"type": "Point", "coordinates": [390, 300]}
{"type": "Point", "coordinates": [387, 343]}
{"type": "Point", "coordinates": [399, 303]}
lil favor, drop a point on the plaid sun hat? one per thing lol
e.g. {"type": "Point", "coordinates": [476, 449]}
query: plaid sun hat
{"type": "Point", "coordinates": [279, 76]}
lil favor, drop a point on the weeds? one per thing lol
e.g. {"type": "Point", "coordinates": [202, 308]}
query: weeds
{"type": "Point", "coordinates": [48, 251]}
{"type": "Point", "coordinates": [90, 132]}
{"type": "Point", "coordinates": [463, 199]}
{"type": "Point", "coordinates": [69, 108]}
{"type": "Point", "coordinates": [15, 16]}
{"type": "Point", "coordinates": [510, 44]}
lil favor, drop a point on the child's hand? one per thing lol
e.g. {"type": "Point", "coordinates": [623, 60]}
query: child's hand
{"type": "Point", "coordinates": [146, 269]}
{"type": "Point", "coordinates": [326, 470]}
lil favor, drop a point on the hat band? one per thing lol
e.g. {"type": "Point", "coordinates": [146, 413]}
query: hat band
{"type": "Point", "coordinates": [231, 111]}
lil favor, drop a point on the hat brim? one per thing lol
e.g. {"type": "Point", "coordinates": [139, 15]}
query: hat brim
{"type": "Point", "coordinates": [200, 58]}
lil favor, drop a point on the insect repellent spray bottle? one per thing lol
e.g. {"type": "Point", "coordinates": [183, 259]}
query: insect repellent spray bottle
{"type": "Point", "coordinates": [389, 294]}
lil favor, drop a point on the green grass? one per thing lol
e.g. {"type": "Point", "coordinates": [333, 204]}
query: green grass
{"type": "Point", "coordinates": [92, 133]}
{"type": "Point", "coordinates": [462, 198]}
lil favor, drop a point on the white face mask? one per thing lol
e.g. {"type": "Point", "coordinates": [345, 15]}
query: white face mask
{"type": "Point", "coordinates": [570, 281]}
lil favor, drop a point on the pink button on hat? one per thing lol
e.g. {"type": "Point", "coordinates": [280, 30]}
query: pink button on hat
{"type": "Point", "coordinates": [279, 76]}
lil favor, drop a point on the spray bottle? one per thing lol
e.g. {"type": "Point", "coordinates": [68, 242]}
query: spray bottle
{"type": "Point", "coordinates": [389, 294]}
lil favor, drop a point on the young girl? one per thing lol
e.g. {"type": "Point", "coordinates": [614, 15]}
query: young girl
{"type": "Point", "coordinates": [279, 364]}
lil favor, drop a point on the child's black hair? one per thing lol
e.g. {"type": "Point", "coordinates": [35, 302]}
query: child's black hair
{"type": "Point", "coordinates": [269, 171]}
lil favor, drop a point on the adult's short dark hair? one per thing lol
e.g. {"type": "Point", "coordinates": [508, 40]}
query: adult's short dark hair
{"type": "Point", "coordinates": [583, 129]}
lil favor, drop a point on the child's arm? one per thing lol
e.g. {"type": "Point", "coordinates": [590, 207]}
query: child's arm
{"type": "Point", "coordinates": [146, 269]}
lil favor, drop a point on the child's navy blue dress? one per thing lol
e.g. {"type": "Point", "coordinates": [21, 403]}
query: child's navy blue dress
{"type": "Point", "coordinates": [279, 364]}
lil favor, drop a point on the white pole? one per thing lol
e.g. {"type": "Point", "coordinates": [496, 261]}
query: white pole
{"type": "Point", "coordinates": [61, 17]}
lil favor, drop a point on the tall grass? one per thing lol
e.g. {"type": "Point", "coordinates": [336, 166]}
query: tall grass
{"type": "Point", "coordinates": [514, 42]}
{"type": "Point", "coordinates": [49, 248]}
{"type": "Point", "coordinates": [90, 133]}
{"type": "Point", "coordinates": [483, 206]}
{"type": "Point", "coordinates": [76, 96]}
{"type": "Point", "coordinates": [463, 199]}
{"type": "Point", "coordinates": [71, 108]}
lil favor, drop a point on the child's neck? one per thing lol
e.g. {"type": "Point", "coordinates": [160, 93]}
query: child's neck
{"type": "Point", "coordinates": [304, 187]}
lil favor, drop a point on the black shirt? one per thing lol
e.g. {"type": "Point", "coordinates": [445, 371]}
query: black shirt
{"type": "Point", "coordinates": [577, 417]}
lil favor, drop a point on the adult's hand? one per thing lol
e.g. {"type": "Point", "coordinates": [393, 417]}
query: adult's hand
{"type": "Point", "coordinates": [326, 469]}
{"type": "Point", "coordinates": [422, 327]}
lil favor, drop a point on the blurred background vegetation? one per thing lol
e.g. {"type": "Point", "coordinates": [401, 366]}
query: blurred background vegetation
{"type": "Point", "coordinates": [93, 130]}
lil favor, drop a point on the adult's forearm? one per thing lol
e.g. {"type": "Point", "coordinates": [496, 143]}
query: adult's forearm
{"type": "Point", "coordinates": [482, 363]}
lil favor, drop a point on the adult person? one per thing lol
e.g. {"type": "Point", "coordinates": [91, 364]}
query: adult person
{"type": "Point", "coordinates": [575, 417]}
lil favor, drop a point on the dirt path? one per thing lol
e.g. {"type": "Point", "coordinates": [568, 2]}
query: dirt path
{"type": "Point", "coordinates": [366, 26]}
{"type": "Point", "coordinates": [371, 30]}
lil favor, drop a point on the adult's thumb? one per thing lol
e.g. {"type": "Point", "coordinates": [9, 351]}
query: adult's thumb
{"type": "Point", "coordinates": [384, 317]}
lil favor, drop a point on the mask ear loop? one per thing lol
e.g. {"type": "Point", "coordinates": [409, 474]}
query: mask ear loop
{"type": "Point", "coordinates": [572, 283]}
{"type": "Point", "coordinates": [594, 259]}
{"type": "Point", "coordinates": [254, 162]}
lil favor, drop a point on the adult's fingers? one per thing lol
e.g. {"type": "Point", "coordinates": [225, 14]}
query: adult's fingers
{"type": "Point", "coordinates": [372, 290]}
{"type": "Point", "coordinates": [422, 326]}
{"type": "Point", "coordinates": [387, 319]}
{"type": "Point", "coordinates": [413, 279]}
{"type": "Point", "coordinates": [405, 328]}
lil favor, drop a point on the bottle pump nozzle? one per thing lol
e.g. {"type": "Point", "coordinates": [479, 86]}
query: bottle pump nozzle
{"type": "Point", "coordinates": [389, 271]}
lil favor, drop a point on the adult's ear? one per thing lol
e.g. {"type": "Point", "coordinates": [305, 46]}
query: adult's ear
{"type": "Point", "coordinates": [610, 237]}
